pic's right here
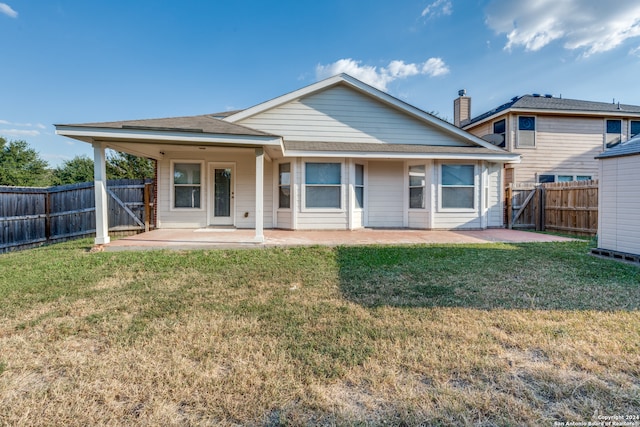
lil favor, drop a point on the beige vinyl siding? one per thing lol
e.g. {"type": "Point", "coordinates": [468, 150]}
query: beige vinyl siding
{"type": "Point", "coordinates": [244, 198]}
{"type": "Point", "coordinates": [419, 219]}
{"type": "Point", "coordinates": [619, 209]}
{"type": "Point", "coordinates": [284, 219]}
{"type": "Point", "coordinates": [495, 207]}
{"type": "Point", "coordinates": [563, 146]}
{"type": "Point", "coordinates": [341, 114]}
{"type": "Point", "coordinates": [386, 194]}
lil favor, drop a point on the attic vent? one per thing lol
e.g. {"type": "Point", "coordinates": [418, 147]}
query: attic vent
{"type": "Point", "coordinates": [536, 95]}
{"type": "Point", "coordinates": [515, 98]}
{"type": "Point", "coordinates": [548, 95]}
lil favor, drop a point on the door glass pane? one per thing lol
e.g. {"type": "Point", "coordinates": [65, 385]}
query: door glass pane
{"type": "Point", "coordinates": [222, 183]}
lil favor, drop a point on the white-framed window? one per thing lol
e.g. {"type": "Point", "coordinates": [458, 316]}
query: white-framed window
{"type": "Point", "coordinates": [526, 132]}
{"type": "Point", "coordinates": [457, 186]}
{"type": "Point", "coordinates": [613, 135]}
{"type": "Point", "coordinates": [359, 186]}
{"type": "Point", "coordinates": [563, 177]}
{"type": "Point", "coordinates": [186, 182]}
{"type": "Point", "coordinates": [323, 185]}
{"type": "Point", "coordinates": [284, 186]}
{"type": "Point", "coordinates": [417, 182]}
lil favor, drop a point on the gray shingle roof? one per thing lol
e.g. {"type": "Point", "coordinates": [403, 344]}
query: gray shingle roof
{"type": "Point", "coordinates": [629, 148]}
{"type": "Point", "coordinates": [531, 102]}
{"type": "Point", "coordinates": [198, 124]}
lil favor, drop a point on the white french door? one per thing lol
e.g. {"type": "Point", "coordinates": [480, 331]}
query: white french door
{"type": "Point", "coordinates": [222, 193]}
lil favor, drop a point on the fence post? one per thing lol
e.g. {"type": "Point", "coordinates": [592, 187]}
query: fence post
{"type": "Point", "coordinates": [543, 206]}
{"type": "Point", "coordinates": [147, 206]}
{"type": "Point", "coordinates": [509, 207]}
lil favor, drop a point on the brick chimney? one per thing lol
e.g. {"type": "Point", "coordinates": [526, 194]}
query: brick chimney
{"type": "Point", "coordinates": [461, 109]}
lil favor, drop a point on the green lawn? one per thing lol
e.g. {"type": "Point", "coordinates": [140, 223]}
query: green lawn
{"type": "Point", "coordinates": [498, 334]}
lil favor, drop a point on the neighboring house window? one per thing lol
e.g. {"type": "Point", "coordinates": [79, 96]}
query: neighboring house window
{"type": "Point", "coordinates": [284, 185]}
{"type": "Point", "coordinates": [526, 132]}
{"type": "Point", "coordinates": [614, 133]}
{"type": "Point", "coordinates": [562, 178]}
{"type": "Point", "coordinates": [635, 128]}
{"type": "Point", "coordinates": [323, 185]}
{"type": "Point", "coordinates": [416, 186]}
{"type": "Point", "coordinates": [458, 187]}
{"type": "Point", "coordinates": [186, 185]}
{"type": "Point", "coordinates": [359, 187]}
{"type": "Point", "coordinates": [500, 128]}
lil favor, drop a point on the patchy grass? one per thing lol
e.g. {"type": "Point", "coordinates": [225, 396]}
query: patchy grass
{"type": "Point", "coordinates": [444, 335]}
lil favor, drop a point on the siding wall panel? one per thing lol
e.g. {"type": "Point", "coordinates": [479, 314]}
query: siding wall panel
{"type": "Point", "coordinates": [386, 194]}
{"type": "Point", "coordinates": [343, 115]}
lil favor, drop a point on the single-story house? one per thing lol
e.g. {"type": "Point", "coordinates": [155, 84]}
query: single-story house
{"type": "Point", "coordinates": [335, 155]}
{"type": "Point", "coordinates": [619, 202]}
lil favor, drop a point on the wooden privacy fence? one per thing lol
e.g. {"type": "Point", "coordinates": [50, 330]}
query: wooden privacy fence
{"type": "Point", "coordinates": [568, 207]}
{"type": "Point", "coordinates": [33, 216]}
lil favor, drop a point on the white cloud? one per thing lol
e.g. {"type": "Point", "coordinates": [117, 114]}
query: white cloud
{"type": "Point", "coordinates": [592, 26]}
{"type": "Point", "coordinates": [19, 132]}
{"type": "Point", "coordinates": [437, 8]}
{"type": "Point", "coordinates": [435, 67]}
{"type": "Point", "coordinates": [381, 77]}
{"type": "Point", "coordinates": [6, 9]}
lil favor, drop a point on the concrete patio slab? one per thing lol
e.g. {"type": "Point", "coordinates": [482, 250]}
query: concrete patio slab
{"type": "Point", "coordinates": [225, 238]}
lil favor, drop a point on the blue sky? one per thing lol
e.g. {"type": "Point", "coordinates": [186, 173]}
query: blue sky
{"type": "Point", "coordinates": [75, 61]}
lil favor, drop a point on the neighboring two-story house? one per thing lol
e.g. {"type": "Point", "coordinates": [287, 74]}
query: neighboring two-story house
{"type": "Point", "coordinates": [557, 138]}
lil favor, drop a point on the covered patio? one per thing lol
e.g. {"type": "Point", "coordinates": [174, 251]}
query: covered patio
{"type": "Point", "coordinates": [216, 238]}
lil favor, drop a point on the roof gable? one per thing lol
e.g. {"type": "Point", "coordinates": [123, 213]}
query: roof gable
{"type": "Point", "coordinates": [315, 95]}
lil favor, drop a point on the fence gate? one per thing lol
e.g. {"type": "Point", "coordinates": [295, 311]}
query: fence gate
{"type": "Point", "coordinates": [523, 207]}
{"type": "Point", "coordinates": [568, 207]}
{"type": "Point", "coordinates": [32, 216]}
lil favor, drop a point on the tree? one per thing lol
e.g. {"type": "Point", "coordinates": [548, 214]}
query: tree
{"type": "Point", "coordinates": [78, 169]}
{"type": "Point", "coordinates": [128, 166]}
{"type": "Point", "coordinates": [22, 166]}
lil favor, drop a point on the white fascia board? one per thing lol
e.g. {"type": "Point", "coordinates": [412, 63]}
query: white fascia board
{"type": "Point", "coordinates": [499, 158]}
{"type": "Point", "coordinates": [155, 136]}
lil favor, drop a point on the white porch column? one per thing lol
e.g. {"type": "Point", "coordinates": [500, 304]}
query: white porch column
{"type": "Point", "coordinates": [259, 195]}
{"type": "Point", "coordinates": [100, 179]}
